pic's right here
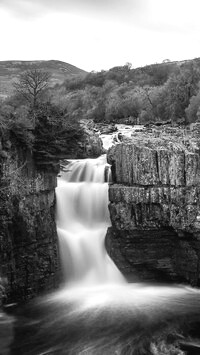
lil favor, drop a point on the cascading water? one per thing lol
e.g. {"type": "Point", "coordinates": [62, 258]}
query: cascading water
{"type": "Point", "coordinates": [82, 221]}
{"type": "Point", "coordinates": [96, 312]}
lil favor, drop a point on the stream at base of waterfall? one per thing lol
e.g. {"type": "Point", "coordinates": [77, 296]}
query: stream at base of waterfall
{"type": "Point", "coordinates": [96, 312]}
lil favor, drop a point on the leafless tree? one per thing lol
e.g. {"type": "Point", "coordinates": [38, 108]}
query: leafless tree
{"type": "Point", "coordinates": [31, 85]}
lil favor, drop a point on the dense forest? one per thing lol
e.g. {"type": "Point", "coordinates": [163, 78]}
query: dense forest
{"type": "Point", "coordinates": [46, 119]}
{"type": "Point", "coordinates": [160, 92]}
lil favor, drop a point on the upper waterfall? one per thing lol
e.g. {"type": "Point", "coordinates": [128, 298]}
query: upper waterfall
{"type": "Point", "coordinates": [82, 222]}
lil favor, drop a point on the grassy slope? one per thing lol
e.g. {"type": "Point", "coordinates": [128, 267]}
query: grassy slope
{"type": "Point", "coordinates": [10, 71]}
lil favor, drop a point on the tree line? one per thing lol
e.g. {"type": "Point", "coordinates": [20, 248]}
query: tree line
{"type": "Point", "coordinates": [160, 92]}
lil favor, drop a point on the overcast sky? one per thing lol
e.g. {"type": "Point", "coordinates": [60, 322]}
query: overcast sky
{"type": "Point", "coordinates": [100, 34]}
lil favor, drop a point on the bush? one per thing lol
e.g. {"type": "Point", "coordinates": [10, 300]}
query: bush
{"type": "Point", "coordinates": [55, 133]}
{"type": "Point", "coordinates": [22, 130]}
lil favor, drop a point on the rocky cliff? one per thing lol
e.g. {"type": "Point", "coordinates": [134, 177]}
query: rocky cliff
{"type": "Point", "coordinates": [28, 240]}
{"type": "Point", "coordinates": [155, 205]}
{"type": "Point", "coordinates": [29, 258]}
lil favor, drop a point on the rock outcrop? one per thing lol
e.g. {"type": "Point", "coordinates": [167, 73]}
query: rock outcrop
{"type": "Point", "coordinates": [91, 145]}
{"type": "Point", "coordinates": [28, 239]}
{"type": "Point", "coordinates": [155, 206]}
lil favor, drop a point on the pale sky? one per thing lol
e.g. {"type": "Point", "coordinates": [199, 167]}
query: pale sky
{"type": "Point", "coordinates": [100, 34]}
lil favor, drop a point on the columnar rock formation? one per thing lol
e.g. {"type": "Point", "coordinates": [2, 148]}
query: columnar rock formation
{"type": "Point", "coordinates": [155, 206]}
{"type": "Point", "coordinates": [29, 247]}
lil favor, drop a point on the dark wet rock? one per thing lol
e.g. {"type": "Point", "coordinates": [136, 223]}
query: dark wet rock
{"type": "Point", "coordinates": [108, 128]}
{"type": "Point", "coordinates": [28, 238]}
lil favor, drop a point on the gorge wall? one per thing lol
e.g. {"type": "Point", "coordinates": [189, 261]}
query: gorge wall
{"type": "Point", "coordinates": [155, 206]}
{"type": "Point", "coordinates": [28, 241]}
{"type": "Point", "coordinates": [29, 255]}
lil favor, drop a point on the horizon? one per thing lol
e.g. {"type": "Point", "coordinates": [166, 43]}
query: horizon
{"type": "Point", "coordinates": [99, 35]}
{"type": "Point", "coordinates": [58, 60]}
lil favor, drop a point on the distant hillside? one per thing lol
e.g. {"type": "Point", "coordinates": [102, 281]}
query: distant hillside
{"type": "Point", "coordinates": [10, 71]}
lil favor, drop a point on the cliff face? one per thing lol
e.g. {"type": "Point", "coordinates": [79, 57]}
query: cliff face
{"type": "Point", "coordinates": [29, 257]}
{"type": "Point", "coordinates": [28, 239]}
{"type": "Point", "coordinates": [155, 206]}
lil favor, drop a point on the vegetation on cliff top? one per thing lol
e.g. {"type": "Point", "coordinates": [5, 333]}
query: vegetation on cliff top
{"type": "Point", "coordinates": [33, 121]}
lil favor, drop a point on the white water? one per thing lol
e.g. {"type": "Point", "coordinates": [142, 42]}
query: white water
{"type": "Point", "coordinates": [82, 222]}
{"type": "Point", "coordinates": [126, 130]}
{"type": "Point", "coordinates": [96, 312]}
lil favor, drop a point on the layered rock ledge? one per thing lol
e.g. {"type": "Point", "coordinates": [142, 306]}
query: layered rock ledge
{"type": "Point", "coordinates": [155, 206]}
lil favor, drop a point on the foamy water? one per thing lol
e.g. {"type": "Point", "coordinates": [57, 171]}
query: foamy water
{"type": "Point", "coordinates": [82, 222]}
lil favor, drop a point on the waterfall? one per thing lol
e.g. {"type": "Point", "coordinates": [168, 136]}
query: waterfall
{"type": "Point", "coordinates": [96, 312]}
{"type": "Point", "coordinates": [82, 222]}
